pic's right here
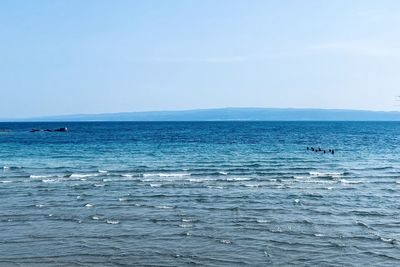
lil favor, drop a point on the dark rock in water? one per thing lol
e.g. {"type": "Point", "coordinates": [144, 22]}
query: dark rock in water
{"type": "Point", "coordinates": [64, 129]}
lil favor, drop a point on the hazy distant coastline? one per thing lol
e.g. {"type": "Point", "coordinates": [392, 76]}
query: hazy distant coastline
{"type": "Point", "coordinates": [231, 114]}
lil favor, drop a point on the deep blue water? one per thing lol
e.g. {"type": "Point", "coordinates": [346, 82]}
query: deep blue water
{"type": "Point", "coordinates": [201, 193]}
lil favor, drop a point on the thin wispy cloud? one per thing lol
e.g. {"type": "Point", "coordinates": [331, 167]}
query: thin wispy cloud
{"type": "Point", "coordinates": [266, 56]}
{"type": "Point", "coordinates": [358, 48]}
{"type": "Point", "coordinates": [216, 60]}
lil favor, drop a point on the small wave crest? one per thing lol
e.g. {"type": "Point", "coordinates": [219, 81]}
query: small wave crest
{"type": "Point", "coordinates": [164, 207]}
{"type": "Point", "coordinates": [235, 179]}
{"type": "Point", "coordinates": [300, 177]}
{"type": "Point", "coordinates": [389, 240]}
{"type": "Point", "coordinates": [327, 174]}
{"type": "Point", "coordinates": [252, 185]}
{"type": "Point", "coordinates": [49, 180]}
{"type": "Point", "coordinates": [83, 175]}
{"type": "Point", "coordinates": [186, 225]}
{"type": "Point", "coordinates": [39, 176]}
{"type": "Point", "coordinates": [11, 167]}
{"type": "Point", "coordinates": [344, 181]}
{"type": "Point", "coordinates": [319, 235]}
{"type": "Point", "coordinates": [166, 174]}
{"type": "Point", "coordinates": [112, 222]}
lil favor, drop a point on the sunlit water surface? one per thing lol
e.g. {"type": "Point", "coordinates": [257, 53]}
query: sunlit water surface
{"type": "Point", "coordinates": [205, 193]}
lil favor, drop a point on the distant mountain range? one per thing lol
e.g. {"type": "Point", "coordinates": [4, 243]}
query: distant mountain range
{"type": "Point", "coordinates": [233, 114]}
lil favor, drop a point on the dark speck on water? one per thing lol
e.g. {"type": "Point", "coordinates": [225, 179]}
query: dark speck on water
{"type": "Point", "coordinates": [200, 193]}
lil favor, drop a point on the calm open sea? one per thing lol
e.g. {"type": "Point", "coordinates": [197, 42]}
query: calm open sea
{"type": "Point", "coordinates": [200, 193]}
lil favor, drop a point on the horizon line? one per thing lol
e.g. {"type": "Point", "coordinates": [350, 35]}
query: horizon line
{"type": "Point", "coordinates": [197, 109]}
{"type": "Point", "coordinates": [65, 116]}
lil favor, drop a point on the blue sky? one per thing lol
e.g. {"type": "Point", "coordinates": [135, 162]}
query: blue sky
{"type": "Point", "coordinates": [63, 57]}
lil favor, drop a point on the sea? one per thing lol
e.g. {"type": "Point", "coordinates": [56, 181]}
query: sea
{"type": "Point", "coordinates": [200, 194]}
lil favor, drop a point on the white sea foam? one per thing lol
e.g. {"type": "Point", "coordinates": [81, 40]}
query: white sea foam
{"type": "Point", "coordinates": [226, 241]}
{"type": "Point", "coordinates": [149, 174]}
{"type": "Point", "coordinates": [88, 205]}
{"type": "Point", "coordinates": [155, 185]}
{"type": "Point", "coordinates": [197, 180]}
{"type": "Point", "coordinates": [39, 176]}
{"type": "Point", "coordinates": [188, 220]}
{"type": "Point", "coordinates": [6, 167]}
{"type": "Point", "coordinates": [83, 175]}
{"type": "Point", "coordinates": [300, 177]}
{"type": "Point", "coordinates": [388, 240]}
{"type": "Point", "coordinates": [112, 221]}
{"type": "Point", "coordinates": [262, 221]}
{"type": "Point", "coordinates": [48, 181]}
{"type": "Point", "coordinates": [127, 175]}
{"type": "Point", "coordinates": [6, 182]}
{"type": "Point", "coordinates": [186, 225]}
{"type": "Point", "coordinates": [223, 173]}
{"type": "Point", "coordinates": [174, 174]}
{"type": "Point", "coordinates": [95, 218]}
{"type": "Point", "coordinates": [101, 171]}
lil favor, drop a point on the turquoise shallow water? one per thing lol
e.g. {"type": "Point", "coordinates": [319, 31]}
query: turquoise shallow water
{"type": "Point", "coordinates": [201, 193]}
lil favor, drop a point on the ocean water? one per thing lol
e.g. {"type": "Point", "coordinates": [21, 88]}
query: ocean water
{"type": "Point", "coordinates": [200, 193]}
